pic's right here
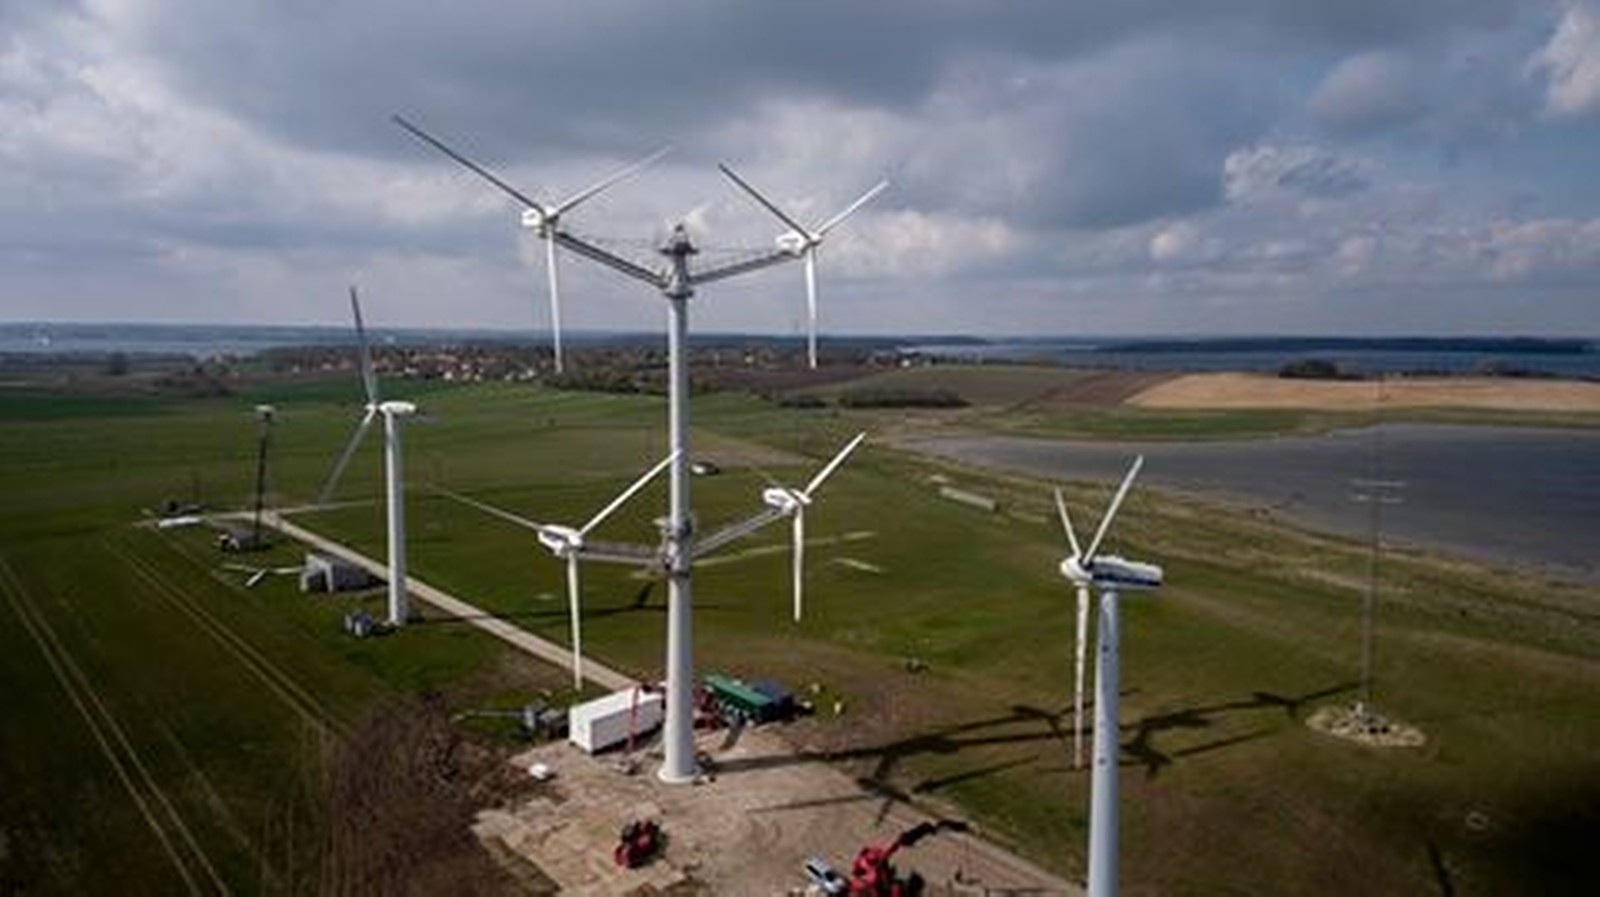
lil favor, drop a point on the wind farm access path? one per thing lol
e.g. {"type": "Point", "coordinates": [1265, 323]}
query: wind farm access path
{"type": "Point", "coordinates": [522, 639]}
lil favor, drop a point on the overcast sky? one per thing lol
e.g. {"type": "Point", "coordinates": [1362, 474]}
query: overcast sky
{"type": "Point", "coordinates": [1144, 166]}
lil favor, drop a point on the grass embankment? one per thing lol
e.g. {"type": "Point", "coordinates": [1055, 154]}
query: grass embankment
{"type": "Point", "coordinates": [1226, 790]}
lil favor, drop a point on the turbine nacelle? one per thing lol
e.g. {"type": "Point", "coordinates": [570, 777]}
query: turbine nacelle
{"type": "Point", "coordinates": [794, 242]}
{"type": "Point", "coordinates": [561, 540]}
{"type": "Point", "coordinates": [396, 409]}
{"type": "Point", "coordinates": [785, 501]}
{"type": "Point", "coordinates": [1110, 572]}
{"type": "Point", "coordinates": [537, 220]}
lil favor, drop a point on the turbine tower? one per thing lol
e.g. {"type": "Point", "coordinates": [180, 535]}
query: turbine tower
{"type": "Point", "coordinates": [544, 219]}
{"type": "Point", "coordinates": [1109, 574]}
{"type": "Point", "coordinates": [392, 413]}
{"type": "Point", "coordinates": [264, 414]}
{"type": "Point", "coordinates": [804, 242]}
{"type": "Point", "coordinates": [677, 282]}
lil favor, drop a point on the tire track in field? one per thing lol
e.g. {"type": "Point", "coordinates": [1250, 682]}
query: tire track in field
{"type": "Point", "coordinates": [147, 794]}
{"type": "Point", "coordinates": [280, 683]}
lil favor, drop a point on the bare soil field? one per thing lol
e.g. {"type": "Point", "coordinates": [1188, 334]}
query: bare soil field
{"type": "Point", "coordinates": [1256, 391]}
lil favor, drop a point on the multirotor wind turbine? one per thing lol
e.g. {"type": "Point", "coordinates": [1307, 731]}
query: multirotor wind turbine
{"type": "Point", "coordinates": [392, 413]}
{"type": "Point", "coordinates": [543, 218]}
{"type": "Point", "coordinates": [804, 242]}
{"type": "Point", "coordinates": [676, 280]}
{"type": "Point", "coordinates": [572, 544]}
{"type": "Point", "coordinates": [1087, 568]}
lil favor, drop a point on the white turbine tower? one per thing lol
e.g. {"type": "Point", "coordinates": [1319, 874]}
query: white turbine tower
{"type": "Point", "coordinates": [544, 219]}
{"type": "Point", "coordinates": [572, 545]}
{"type": "Point", "coordinates": [1110, 575]}
{"type": "Point", "coordinates": [392, 413]}
{"type": "Point", "coordinates": [804, 242]}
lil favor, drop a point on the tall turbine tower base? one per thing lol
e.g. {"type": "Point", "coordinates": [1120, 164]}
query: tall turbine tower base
{"type": "Point", "coordinates": [1103, 799]}
{"type": "Point", "coordinates": [678, 764]}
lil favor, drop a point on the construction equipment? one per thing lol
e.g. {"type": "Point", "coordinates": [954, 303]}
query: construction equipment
{"type": "Point", "coordinates": [873, 875]}
{"type": "Point", "coordinates": [638, 842]}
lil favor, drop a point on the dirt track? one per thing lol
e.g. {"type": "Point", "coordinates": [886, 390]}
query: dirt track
{"type": "Point", "coordinates": [1231, 391]}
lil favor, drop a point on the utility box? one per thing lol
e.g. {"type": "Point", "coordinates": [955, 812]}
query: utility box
{"type": "Point", "coordinates": [327, 573]}
{"type": "Point", "coordinates": [606, 722]}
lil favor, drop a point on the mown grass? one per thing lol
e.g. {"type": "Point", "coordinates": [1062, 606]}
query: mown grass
{"type": "Point", "coordinates": [1225, 789]}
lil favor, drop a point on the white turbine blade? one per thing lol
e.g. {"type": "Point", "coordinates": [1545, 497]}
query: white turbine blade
{"type": "Point", "coordinates": [627, 493]}
{"type": "Point", "coordinates": [487, 508]}
{"type": "Point", "coordinates": [1066, 524]}
{"type": "Point", "coordinates": [369, 381]}
{"type": "Point", "coordinates": [851, 209]}
{"type": "Point", "coordinates": [811, 305]}
{"type": "Point", "coordinates": [833, 465]}
{"type": "Point", "coordinates": [621, 174]}
{"type": "Point", "coordinates": [1111, 512]}
{"type": "Point", "coordinates": [469, 164]}
{"type": "Point", "coordinates": [346, 455]}
{"type": "Point", "coordinates": [1077, 688]}
{"type": "Point", "coordinates": [574, 590]}
{"type": "Point", "coordinates": [766, 203]}
{"type": "Point", "coordinates": [555, 301]}
{"type": "Point", "coordinates": [799, 559]}
{"type": "Point", "coordinates": [255, 578]}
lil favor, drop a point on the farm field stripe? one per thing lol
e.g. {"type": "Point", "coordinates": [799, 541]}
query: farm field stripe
{"type": "Point", "coordinates": [77, 691]}
{"type": "Point", "coordinates": [280, 683]}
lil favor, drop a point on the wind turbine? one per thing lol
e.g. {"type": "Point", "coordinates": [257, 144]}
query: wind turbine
{"type": "Point", "coordinates": [676, 280]}
{"type": "Point", "coordinates": [392, 413]}
{"type": "Point", "coordinates": [542, 218]}
{"type": "Point", "coordinates": [803, 242]}
{"type": "Point", "coordinates": [1110, 575]}
{"type": "Point", "coordinates": [783, 501]}
{"type": "Point", "coordinates": [572, 544]}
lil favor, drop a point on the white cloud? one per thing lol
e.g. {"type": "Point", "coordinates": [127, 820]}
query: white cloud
{"type": "Point", "coordinates": [1571, 62]}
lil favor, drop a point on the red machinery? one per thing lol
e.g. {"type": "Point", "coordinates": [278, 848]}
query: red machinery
{"type": "Point", "coordinates": [639, 842]}
{"type": "Point", "coordinates": [871, 873]}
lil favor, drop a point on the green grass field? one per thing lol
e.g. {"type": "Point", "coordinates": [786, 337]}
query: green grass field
{"type": "Point", "coordinates": [233, 700]}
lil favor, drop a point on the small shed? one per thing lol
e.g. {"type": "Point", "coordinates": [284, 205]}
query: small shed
{"type": "Point", "coordinates": [327, 573]}
{"type": "Point", "coordinates": [236, 537]}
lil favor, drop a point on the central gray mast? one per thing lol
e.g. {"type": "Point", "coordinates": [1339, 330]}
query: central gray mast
{"type": "Point", "coordinates": [678, 764]}
{"type": "Point", "coordinates": [676, 283]}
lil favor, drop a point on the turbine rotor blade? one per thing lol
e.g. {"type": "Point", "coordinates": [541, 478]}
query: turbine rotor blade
{"type": "Point", "coordinates": [344, 457]}
{"type": "Point", "coordinates": [799, 560]}
{"type": "Point", "coordinates": [1077, 690]}
{"type": "Point", "coordinates": [1066, 524]}
{"type": "Point", "coordinates": [832, 465]}
{"type": "Point", "coordinates": [621, 174]}
{"type": "Point", "coordinates": [811, 305]}
{"type": "Point", "coordinates": [766, 203]}
{"type": "Point", "coordinates": [369, 380]}
{"type": "Point", "coordinates": [574, 591]}
{"type": "Point", "coordinates": [477, 169]}
{"type": "Point", "coordinates": [627, 493]}
{"type": "Point", "coordinates": [1111, 512]}
{"type": "Point", "coordinates": [555, 301]}
{"type": "Point", "coordinates": [851, 209]}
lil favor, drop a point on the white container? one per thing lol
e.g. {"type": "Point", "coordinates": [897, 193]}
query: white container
{"type": "Point", "coordinates": [605, 722]}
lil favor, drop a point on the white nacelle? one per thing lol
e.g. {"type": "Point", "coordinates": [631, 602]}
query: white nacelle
{"type": "Point", "coordinates": [792, 242]}
{"type": "Point", "coordinates": [398, 409]}
{"type": "Point", "coordinates": [1110, 571]}
{"type": "Point", "coordinates": [561, 540]}
{"type": "Point", "coordinates": [786, 500]}
{"type": "Point", "coordinates": [533, 218]}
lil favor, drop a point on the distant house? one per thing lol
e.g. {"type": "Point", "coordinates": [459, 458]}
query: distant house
{"type": "Point", "coordinates": [326, 573]}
